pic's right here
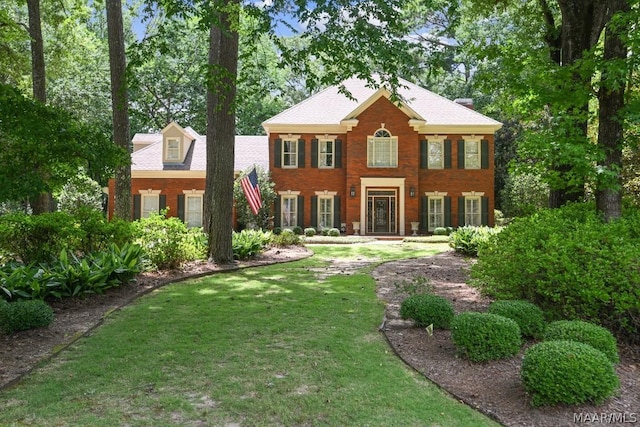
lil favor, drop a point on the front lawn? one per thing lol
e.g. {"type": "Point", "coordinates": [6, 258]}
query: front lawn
{"type": "Point", "coordinates": [258, 347]}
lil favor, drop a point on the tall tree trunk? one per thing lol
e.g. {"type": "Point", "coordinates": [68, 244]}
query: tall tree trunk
{"type": "Point", "coordinates": [120, 106]}
{"type": "Point", "coordinates": [221, 97]}
{"type": "Point", "coordinates": [610, 131]}
{"type": "Point", "coordinates": [38, 76]}
{"type": "Point", "coordinates": [582, 24]}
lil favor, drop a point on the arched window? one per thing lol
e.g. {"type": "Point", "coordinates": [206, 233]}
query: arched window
{"type": "Point", "coordinates": [382, 150]}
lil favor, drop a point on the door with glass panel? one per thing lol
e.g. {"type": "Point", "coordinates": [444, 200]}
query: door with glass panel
{"type": "Point", "coordinates": [381, 212]}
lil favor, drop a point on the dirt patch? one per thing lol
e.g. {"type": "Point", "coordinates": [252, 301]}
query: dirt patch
{"type": "Point", "coordinates": [494, 387]}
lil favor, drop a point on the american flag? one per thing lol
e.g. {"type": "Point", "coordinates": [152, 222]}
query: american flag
{"type": "Point", "coordinates": [251, 191]}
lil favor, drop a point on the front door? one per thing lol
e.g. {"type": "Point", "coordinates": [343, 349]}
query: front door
{"type": "Point", "coordinates": [381, 212]}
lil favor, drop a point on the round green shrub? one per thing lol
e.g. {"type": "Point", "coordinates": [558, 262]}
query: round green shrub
{"type": "Point", "coordinates": [584, 332]}
{"type": "Point", "coordinates": [567, 372]}
{"type": "Point", "coordinates": [527, 315]}
{"type": "Point", "coordinates": [309, 231]}
{"type": "Point", "coordinates": [297, 230]}
{"type": "Point", "coordinates": [24, 314]}
{"type": "Point", "coordinates": [427, 309]}
{"type": "Point", "coordinates": [440, 231]}
{"type": "Point", "coordinates": [485, 336]}
{"type": "Point", "coordinates": [334, 232]}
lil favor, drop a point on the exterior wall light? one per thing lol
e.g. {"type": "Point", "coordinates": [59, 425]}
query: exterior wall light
{"type": "Point", "coordinates": [412, 192]}
{"type": "Point", "coordinates": [352, 191]}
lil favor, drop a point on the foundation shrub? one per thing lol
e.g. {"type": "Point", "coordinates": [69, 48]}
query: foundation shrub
{"type": "Point", "coordinates": [333, 232]}
{"type": "Point", "coordinates": [24, 314]}
{"type": "Point", "coordinates": [309, 231]}
{"type": "Point", "coordinates": [485, 336]}
{"type": "Point", "coordinates": [427, 309]}
{"type": "Point", "coordinates": [167, 242]}
{"type": "Point", "coordinates": [468, 240]}
{"type": "Point", "coordinates": [569, 263]}
{"type": "Point", "coordinates": [527, 315]}
{"type": "Point", "coordinates": [287, 238]}
{"type": "Point", "coordinates": [567, 372]}
{"type": "Point", "coordinates": [584, 332]}
{"type": "Point", "coordinates": [249, 243]}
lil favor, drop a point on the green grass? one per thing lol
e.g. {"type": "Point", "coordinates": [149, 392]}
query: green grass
{"type": "Point", "coordinates": [257, 347]}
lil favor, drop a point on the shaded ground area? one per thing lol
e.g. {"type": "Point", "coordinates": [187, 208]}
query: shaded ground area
{"type": "Point", "coordinates": [493, 388]}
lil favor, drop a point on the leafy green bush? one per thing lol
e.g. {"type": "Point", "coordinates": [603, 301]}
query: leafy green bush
{"type": "Point", "coordinates": [297, 230]}
{"type": "Point", "coordinates": [528, 316]}
{"type": "Point", "coordinates": [334, 232]}
{"type": "Point", "coordinates": [24, 314]}
{"type": "Point", "coordinates": [584, 332]}
{"type": "Point", "coordinates": [309, 231]}
{"type": "Point", "coordinates": [167, 242]}
{"type": "Point", "coordinates": [249, 243]}
{"type": "Point", "coordinates": [469, 240]}
{"type": "Point", "coordinates": [277, 231]}
{"type": "Point", "coordinates": [485, 336]}
{"type": "Point", "coordinates": [440, 231]}
{"type": "Point", "coordinates": [571, 264]}
{"type": "Point", "coordinates": [38, 238]}
{"type": "Point", "coordinates": [287, 238]}
{"type": "Point", "coordinates": [72, 275]}
{"type": "Point", "coordinates": [99, 233]}
{"type": "Point", "coordinates": [80, 193]}
{"type": "Point", "coordinates": [567, 372]}
{"type": "Point", "coordinates": [427, 309]}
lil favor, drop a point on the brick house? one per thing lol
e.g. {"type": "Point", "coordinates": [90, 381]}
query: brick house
{"type": "Point", "coordinates": [168, 170]}
{"type": "Point", "coordinates": [369, 165]}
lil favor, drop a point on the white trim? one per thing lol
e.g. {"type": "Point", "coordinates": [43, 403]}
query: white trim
{"type": "Point", "coordinates": [192, 192]}
{"type": "Point", "coordinates": [289, 137]}
{"type": "Point", "coordinates": [348, 125]}
{"type": "Point", "coordinates": [473, 193]}
{"type": "Point", "coordinates": [326, 193]}
{"type": "Point", "coordinates": [288, 193]}
{"type": "Point", "coordinates": [167, 174]}
{"type": "Point", "coordinates": [149, 191]}
{"type": "Point", "coordinates": [435, 193]}
{"type": "Point", "coordinates": [382, 182]}
{"type": "Point", "coordinates": [326, 137]}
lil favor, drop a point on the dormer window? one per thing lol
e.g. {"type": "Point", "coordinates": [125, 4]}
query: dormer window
{"type": "Point", "coordinates": [173, 150]}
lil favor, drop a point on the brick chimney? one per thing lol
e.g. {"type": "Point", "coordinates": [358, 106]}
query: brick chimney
{"type": "Point", "coordinates": [467, 102]}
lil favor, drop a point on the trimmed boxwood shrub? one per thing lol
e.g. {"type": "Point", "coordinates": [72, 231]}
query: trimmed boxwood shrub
{"type": "Point", "coordinates": [485, 336]}
{"type": "Point", "coordinates": [309, 231]}
{"type": "Point", "coordinates": [567, 372]}
{"type": "Point", "coordinates": [528, 316]}
{"type": "Point", "coordinates": [23, 315]}
{"type": "Point", "coordinates": [427, 309]}
{"type": "Point", "coordinates": [584, 332]}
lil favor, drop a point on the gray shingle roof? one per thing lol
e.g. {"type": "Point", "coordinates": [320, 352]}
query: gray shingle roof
{"type": "Point", "coordinates": [331, 107]}
{"type": "Point", "coordinates": [249, 150]}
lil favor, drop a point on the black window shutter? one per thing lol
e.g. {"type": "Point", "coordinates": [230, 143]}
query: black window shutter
{"type": "Point", "coordinates": [301, 153]}
{"type": "Point", "coordinates": [423, 155]}
{"type": "Point", "coordinates": [314, 211]}
{"type": "Point", "coordinates": [460, 211]}
{"type": "Point", "coordinates": [277, 153]}
{"type": "Point", "coordinates": [162, 201]}
{"type": "Point", "coordinates": [337, 155]}
{"type": "Point", "coordinates": [485, 211]}
{"type": "Point", "coordinates": [461, 154]}
{"type": "Point", "coordinates": [300, 220]}
{"type": "Point", "coordinates": [447, 211]}
{"type": "Point", "coordinates": [314, 153]}
{"type": "Point", "coordinates": [424, 203]}
{"type": "Point", "coordinates": [484, 154]}
{"type": "Point", "coordinates": [277, 212]}
{"type": "Point", "coordinates": [181, 199]}
{"type": "Point", "coordinates": [137, 206]}
{"type": "Point", "coordinates": [447, 154]}
{"type": "Point", "coordinates": [336, 212]}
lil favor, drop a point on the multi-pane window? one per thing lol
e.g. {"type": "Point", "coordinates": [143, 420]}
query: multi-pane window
{"type": "Point", "coordinates": [290, 153]}
{"type": "Point", "coordinates": [325, 212]}
{"type": "Point", "coordinates": [436, 213]}
{"type": "Point", "coordinates": [325, 153]}
{"type": "Point", "coordinates": [289, 211]}
{"type": "Point", "coordinates": [435, 154]}
{"type": "Point", "coordinates": [150, 203]}
{"type": "Point", "coordinates": [173, 149]}
{"type": "Point", "coordinates": [193, 210]}
{"type": "Point", "coordinates": [382, 150]}
{"type": "Point", "coordinates": [472, 211]}
{"type": "Point", "coordinates": [472, 154]}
